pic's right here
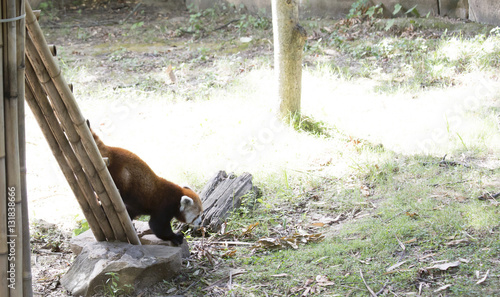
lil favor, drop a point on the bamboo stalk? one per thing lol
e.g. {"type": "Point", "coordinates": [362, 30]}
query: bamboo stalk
{"type": "Point", "coordinates": [66, 158]}
{"type": "Point", "coordinates": [3, 212]}
{"type": "Point", "coordinates": [63, 163]}
{"type": "Point", "coordinates": [4, 263]}
{"type": "Point", "coordinates": [12, 151]}
{"type": "Point", "coordinates": [53, 50]}
{"type": "Point", "coordinates": [66, 106]}
{"type": "Point", "coordinates": [21, 36]}
{"type": "Point", "coordinates": [74, 140]}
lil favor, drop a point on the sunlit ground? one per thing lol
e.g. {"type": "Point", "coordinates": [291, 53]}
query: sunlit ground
{"type": "Point", "coordinates": [236, 130]}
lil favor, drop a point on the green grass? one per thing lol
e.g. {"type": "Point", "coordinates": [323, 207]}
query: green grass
{"type": "Point", "coordinates": [407, 206]}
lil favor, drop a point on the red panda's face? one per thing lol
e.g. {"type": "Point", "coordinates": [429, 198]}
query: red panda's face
{"type": "Point", "coordinates": [191, 209]}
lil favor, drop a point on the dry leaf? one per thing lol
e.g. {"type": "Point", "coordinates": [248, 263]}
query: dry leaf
{"type": "Point", "coordinates": [483, 278]}
{"type": "Point", "coordinates": [249, 229]}
{"type": "Point", "coordinates": [365, 190]}
{"type": "Point", "coordinates": [442, 288]}
{"type": "Point", "coordinates": [171, 74]}
{"type": "Point", "coordinates": [401, 244]}
{"type": "Point", "coordinates": [318, 224]}
{"type": "Point", "coordinates": [395, 266]}
{"type": "Point", "coordinates": [396, 271]}
{"type": "Point", "coordinates": [457, 242]}
{"type": "Point", "coordinates": [330, 220]}
{"type": "Point", "coordinates": [412, 215]}
{"type": "Point", "coordinates": [445, 266]}
{"type": "Point", "coordinates": [229, 254]}
{"type": "Point", "coordinates": [280, 275]}
{"type": "Point", "coordinates": [323, 281]}
{"type": "Point", "coordinates": [410, 241]}
{"type": "Point", "coordinates": [354, 141]}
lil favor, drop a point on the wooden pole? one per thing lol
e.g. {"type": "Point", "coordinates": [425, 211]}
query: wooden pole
{"type": "Point", "coordinates": [66, 168]}
{"type": "Point", "coordinates": [66, 157]}
{"type": "Point", "coordinates": [4, 250]}
{"type": "Point", "coordinates": [74, 139]}
{"type": "Point", "coordinates": [14, 214]}
{"type": "Point", "coordinates": [289, 39]}
{"type": "Point", "coordinates": [21, 35]}
{"type": "Point", "coordinates": [71, 118]}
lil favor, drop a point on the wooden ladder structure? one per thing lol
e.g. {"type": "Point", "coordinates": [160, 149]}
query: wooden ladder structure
{"type": "Point", "coordinates": [63, 125]}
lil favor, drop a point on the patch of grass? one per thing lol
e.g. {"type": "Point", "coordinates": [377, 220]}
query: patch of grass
{"type": "Point", "coordinates": [411, 222]}
{"type": "Point", "coordinates": [303, 123]}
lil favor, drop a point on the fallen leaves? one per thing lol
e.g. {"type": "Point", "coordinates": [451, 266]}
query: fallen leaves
{"type": "Point", "coordinates": [288, 241]}
{"type": "Point", "coordinates": [313, 286]}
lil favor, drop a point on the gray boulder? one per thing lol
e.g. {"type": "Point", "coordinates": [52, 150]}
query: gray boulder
{"type": "Point", "coordinates": [135, 267]}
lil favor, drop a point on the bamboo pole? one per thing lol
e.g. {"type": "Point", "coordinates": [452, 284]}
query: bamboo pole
{"type": "Point", "coordinates": [66, 168]}
{"type": "Point", "coordinates": [21, 36]}
{"type": "Point", "coordinates": [14, 215]}
{"type": "Point", "coordinates": [4, 262]}
{"type": "Point", "coordinates": [74, 138]}
{"type": "Point", "coordinates": [66, 106]}
{"type": "Point", "coordinates": [66, 158]}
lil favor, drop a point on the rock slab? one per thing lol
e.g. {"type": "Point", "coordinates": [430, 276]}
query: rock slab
{"type": "Point", "coordinates": [136, 267]}
{"type": "Point", "coordinates": [145, 234]}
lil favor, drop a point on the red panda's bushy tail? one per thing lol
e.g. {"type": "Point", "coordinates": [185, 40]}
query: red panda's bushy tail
{"type": "Point", "coordinates": [103, 149]}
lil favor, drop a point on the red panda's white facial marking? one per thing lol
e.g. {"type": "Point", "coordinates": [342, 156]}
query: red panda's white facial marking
{"type": "Point", "coordinates": [192, 213]}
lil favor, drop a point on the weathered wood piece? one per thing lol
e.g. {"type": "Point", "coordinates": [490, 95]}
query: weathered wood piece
{"type": "Point", "coordinates": [223, 194]}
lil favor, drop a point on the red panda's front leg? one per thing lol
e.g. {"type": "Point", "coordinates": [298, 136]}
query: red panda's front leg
{"type": "Point", "coordinates": [162, 228]}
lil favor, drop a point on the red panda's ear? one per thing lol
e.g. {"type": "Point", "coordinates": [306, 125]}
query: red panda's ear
{"type": "Point", "coordinates": [186, 201]}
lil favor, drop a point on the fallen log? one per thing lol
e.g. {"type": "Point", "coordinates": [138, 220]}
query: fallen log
{"type": "Point", "coordinates": [223, 194]}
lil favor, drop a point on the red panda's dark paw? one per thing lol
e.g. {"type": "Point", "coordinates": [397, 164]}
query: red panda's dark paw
{"type": "Point", "coordinates": [177, 239]}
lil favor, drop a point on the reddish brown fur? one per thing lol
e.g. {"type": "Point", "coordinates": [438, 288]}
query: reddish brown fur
{"type": "Point", "coordinates": [145, 193]}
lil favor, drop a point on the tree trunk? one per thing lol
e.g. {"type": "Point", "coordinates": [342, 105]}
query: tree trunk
{"type": "Point", "coordinates": [289, 39]}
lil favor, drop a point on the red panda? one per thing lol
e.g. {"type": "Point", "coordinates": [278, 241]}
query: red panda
{"type": "Point", "coordinates": [145, 193]}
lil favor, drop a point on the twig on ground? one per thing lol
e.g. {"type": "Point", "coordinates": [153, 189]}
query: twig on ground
{"type": "Point", "coordinates": [487, 196]}
{"type": "Point", "coordinates": [205, 31]}
{"type": "Point", "coordinates": [189, 287]}
{"type": "Point", "coordinates": [225, 25]}
{"type": "Point", "coordinates": [451, 183]}
{"type": "Point", "coordinates": [366, 285]}
{"type": "Point", "coordinates": [444, 163]}
{"type": "Point", "coordinates": [131, 13]}
{"type": "Point", "coordinates": [383, 288]}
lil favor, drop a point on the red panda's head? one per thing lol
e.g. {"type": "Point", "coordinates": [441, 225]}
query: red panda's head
{"type": "Point", "coordinates": [191, 208]}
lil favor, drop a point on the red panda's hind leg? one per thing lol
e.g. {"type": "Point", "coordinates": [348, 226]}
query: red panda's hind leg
{"type": "Point", "coordinates": [161, 227]}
